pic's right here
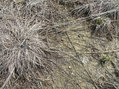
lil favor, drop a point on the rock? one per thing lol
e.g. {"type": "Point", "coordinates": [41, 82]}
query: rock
{"type": "Point", "coordinates": [85, 60]}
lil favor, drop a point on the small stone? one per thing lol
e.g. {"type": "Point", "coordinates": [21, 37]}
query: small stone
{"type": "Point", "coordinates": [69, 67]}
{"type": "Point", "coordinates": [72, 73]}
{"type": "Point", "coordinates": [85, 60]}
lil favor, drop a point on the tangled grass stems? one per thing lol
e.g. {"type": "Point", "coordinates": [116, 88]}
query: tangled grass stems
{"type": "Point", "coordinates": [24, 54]}
{"type": "Point", "coordinates": [22, 50]}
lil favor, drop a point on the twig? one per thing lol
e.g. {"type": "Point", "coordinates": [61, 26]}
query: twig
{"type": "Point", "coordinates": [7, 80]}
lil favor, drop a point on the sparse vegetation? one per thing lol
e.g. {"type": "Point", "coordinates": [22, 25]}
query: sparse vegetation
{"type": "Point", "coordinates": [105, 59]}
{"type": "Point", "coordinates": [59, 44]}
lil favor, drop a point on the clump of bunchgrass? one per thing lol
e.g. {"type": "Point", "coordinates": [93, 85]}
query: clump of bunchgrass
{"type": "Point", "coordinates": [23, 53]}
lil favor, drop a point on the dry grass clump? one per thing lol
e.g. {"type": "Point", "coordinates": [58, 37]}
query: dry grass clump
{"type": "Point", "coordinates": [21, 46]}
{"type": "Point", "coordinates": [22, 50]}
{"type": "Point", "coordinates": [103, 16]}
{"type": "Point", "coordinates": [24, 55]}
